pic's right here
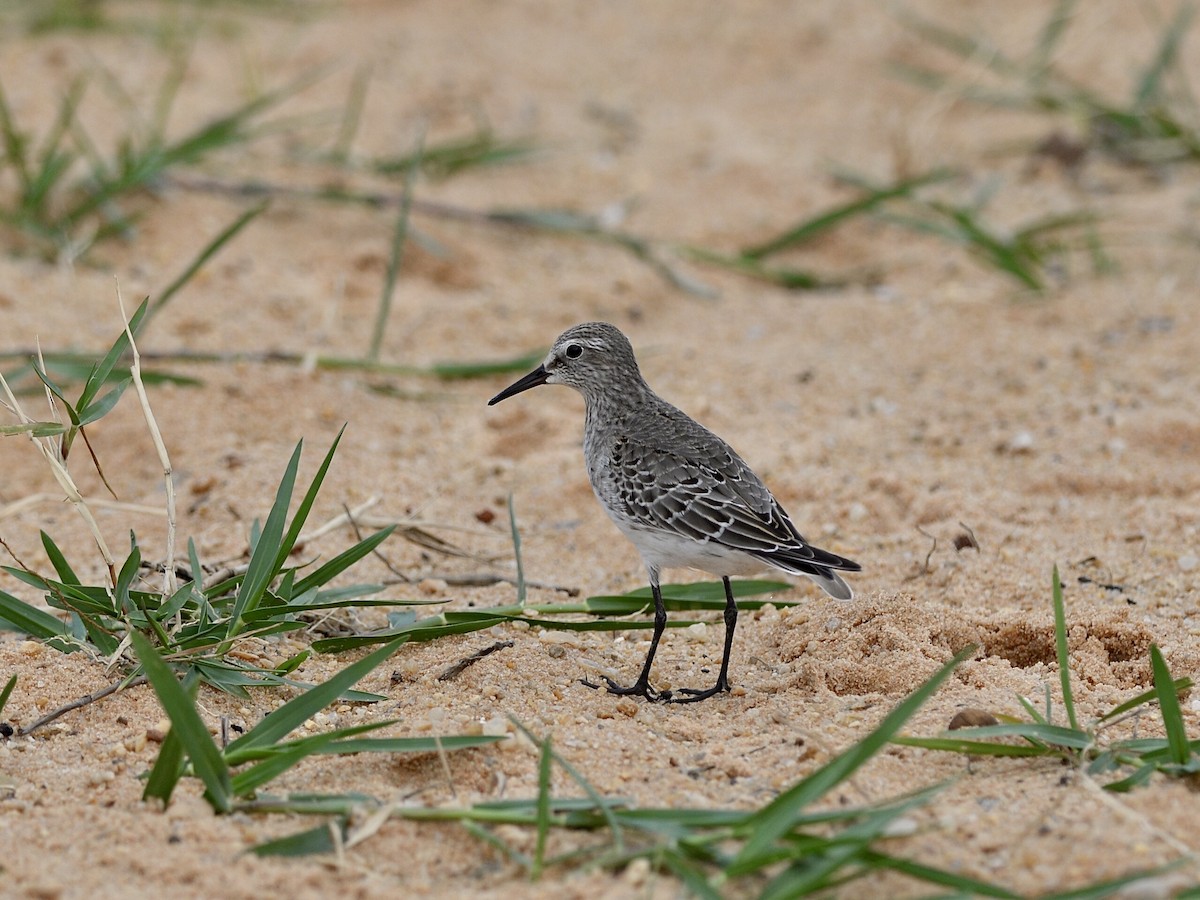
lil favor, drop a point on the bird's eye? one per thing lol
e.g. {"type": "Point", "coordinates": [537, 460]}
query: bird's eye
{"type": "Point", "coordinates": [574, 351]}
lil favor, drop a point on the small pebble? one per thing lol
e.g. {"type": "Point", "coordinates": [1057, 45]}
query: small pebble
{"type": "Point", "coordinates": [1187, 562]}
{"type": "Point", "coordinates": [971, 718]}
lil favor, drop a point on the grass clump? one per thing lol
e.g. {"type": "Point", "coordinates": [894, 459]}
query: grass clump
{"type": "Point", "coordinates": [1156, 124]}
{"type": "Point", "coordinates": [1084, 745]}
{"type": "Point", "coordinates": [234, 775]}
{"type": "Point", "coordinates": [70, 194]}
{"type": "Point", "coordinates": [195, 624]}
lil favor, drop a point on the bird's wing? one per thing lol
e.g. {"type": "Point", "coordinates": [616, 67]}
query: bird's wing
{"type": "Point", "coordinates": [706, 493]}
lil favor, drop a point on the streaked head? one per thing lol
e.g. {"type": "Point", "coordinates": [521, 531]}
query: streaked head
{"type": "Point", "coordinates": [594, 358]}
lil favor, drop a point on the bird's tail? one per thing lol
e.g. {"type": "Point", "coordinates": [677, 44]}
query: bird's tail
{"type": "Point", "coordinates": [831, 583]}
{"type": "Point", "coordinates": [819, 565]}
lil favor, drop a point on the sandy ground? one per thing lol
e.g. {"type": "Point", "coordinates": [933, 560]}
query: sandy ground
{"type": "Point", "coordinates": [1059, 429]}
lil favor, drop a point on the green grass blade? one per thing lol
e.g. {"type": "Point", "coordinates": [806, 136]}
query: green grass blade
{"type": "Point", "coordinates": [457, 370]}
{"type": "Point", "coordinates": [1168, 703]}
{"type": "Point", "coordinates": [1060, 649]}
{"type": "Point", "coordinates": [972, 748]}
{"type": "Point", "coordinates": [774, 820]}
{"type": "Point", "coordinates": [100, 373]}
{"type": "Point", "coordinates": [449, 743]}
{"type": "Point", "coordinates": [396, 256]}
{"type": "Point", "coordinates": [543, 810]}
{"type": "Point", "coordinates": [167, 769]}
{"type": "Point", "coordinates": [516, 540]}
{"type": "Point", "coordinates": [34, 429]}
{"type": "Point", "coordinates": [966, 887]}
{"type": "Point", "coordinates": [306, 504]}
{"type": "Point", "coordinates": [297, 710]}
{"type": "Point", "coordinates": [210, 250]}
{"type": "Point", "coordinates": [303, 843]}
{"type": "Point", "coordinates": [1149, 88]}
{"type": "Point", "coordinates": [817, 225]}
{"type": "Point", "coordinates": [1112, 887]}
{"type": "Point", "coordinates": [206, 759]}
{"type": "Point", "coordinates": [1048, 39]}
{"type": "Point", "coordinates": [101, 407]}
{"type": "Point", "coordinates": [1034, 712]}
{"type": "Point", "coordinates": [341, 562]}
{"type": "Point", "coordinates": [7, 692]}
{"type": "Point", "coordinates": [267, 549]}
{"type": "Point", "coordinates": [691, 875]}
{"type": "Point", "coordinates": [1178, 685]}
{"type": "Point", "coordinates": [17, 615]}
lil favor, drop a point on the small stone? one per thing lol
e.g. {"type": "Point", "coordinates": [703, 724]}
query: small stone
{"type": "Point", "coordinates": [495, 726]}
{"type": "Point", "coordinates": [697, 631]}
{"type": "Point", "coordinates": [627, 706]}
{"type": "Point", "coordinates": [431, 586]}
{"type": "Point", "coordinates": [901, 827]}
{"type": "Point", "coordinates": [556, 651]}
{"type": "Point", "coordinates": [1021, 442]}
{"type": "Point", "coordinates": [1188, 561]}
{"type": "Point", "coordinates": [136, 743]}
{"type": "Point", "coordinates": [637, 872]}
{"type": "Point", "coordinates": [972, 718]}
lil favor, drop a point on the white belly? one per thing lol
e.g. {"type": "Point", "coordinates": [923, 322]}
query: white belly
{"type": "Point", "coordinates": [663, 550]}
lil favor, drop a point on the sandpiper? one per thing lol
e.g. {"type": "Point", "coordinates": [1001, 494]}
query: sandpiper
{"type": "Point", "coordinates": [675, 489]}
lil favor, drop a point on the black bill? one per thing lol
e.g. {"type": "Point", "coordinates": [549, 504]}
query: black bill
{"type": "Point", "coordinates": [532, 380]}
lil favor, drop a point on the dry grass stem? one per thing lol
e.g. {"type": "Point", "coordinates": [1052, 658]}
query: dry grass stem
{"type": "Point", "coordinates": [51, 451]}
{"type": "Point", "coordinates": [135, 370]}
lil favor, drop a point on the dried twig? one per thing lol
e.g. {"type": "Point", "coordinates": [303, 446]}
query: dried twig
{"type": "Point", "coordinates": [376, 552]}
{"type": "Point", "coordinates": [459, 667]}
{"type": "Point", "coordinates": [484, 579]}
{"type": "Point", "coordinates": [30, 501]}
{"type": "Point", "coordinates": [81, 702]}
{"type": "Point", "coordinates": [135, 370]}
{"type": "Point", "coordinates": [51, 450]}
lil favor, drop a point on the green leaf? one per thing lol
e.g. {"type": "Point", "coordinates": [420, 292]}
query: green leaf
{"type": "Point", "coordinates": [778, 817]}
{"type": "Point", "coordinates": [813, 227]}
{"type": "Point", "coordinates": [167, 769]}
{"type": "Point", "coordinates": [303, 843]}
{"type": "Point", "coordinates": [102, 406]}
{"type": "Point", "coordinates": [973, 748]}
{"type": "Point", "coordinates": [268, 549]}
{"type": "Point", "coordinates": [1179, 684]}
{"type": "Point", "coordinates": [543, 809]}
{"type": "Point", "coordinates": [306, 503]}
{"type": "Point", "coordinates": [101, 371]}
{"type": "Point", "coordinates": [207, 760]}
{"type": "Point", "coordinates": [1168, 702]}
{"type": "Point", "coordinates": [65, 574]}
{"type": "Point", "coordinates": [516, 542]}
{"type": "Point", "coordinates": [17, 615]}
{"type": "Point", "coordinates": [457, 370]}
{"type": "Point", "coordinates": [1060, 649]}
{"type": "Point", "coordinates": [36, 429]}
{"type": "Point", "coordinates": [7, 692]}
{"type": "Point", "coordinates": [341, 562]}
{"type": "Point", "coordinates": [299, 709]}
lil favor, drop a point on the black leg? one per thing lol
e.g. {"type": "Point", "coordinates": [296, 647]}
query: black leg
{"type": "Point", "coordinates": [691, 695]}
{"type": "Point", "coordinates": [641, 687]}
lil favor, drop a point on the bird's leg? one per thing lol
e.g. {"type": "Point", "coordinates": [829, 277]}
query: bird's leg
{"type": "Point", "coordinates": [731, 612]}
{"type": "Point", "coordinates": [641, 687]}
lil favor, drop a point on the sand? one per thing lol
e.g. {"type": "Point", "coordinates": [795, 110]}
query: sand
{"type": "Point", "coordinates": [887, 415]}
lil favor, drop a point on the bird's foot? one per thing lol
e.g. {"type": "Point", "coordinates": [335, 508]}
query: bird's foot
{"type": "Point", "coordinates": [640, 688]}
{"type": "Point", "coordinates": [694, 695]}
